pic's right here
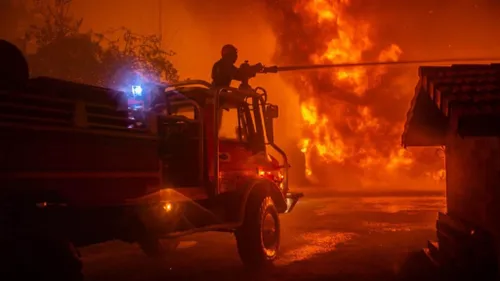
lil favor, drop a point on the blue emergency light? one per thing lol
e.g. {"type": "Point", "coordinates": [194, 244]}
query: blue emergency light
{"type": "Point", "coordinates": [137, 90]}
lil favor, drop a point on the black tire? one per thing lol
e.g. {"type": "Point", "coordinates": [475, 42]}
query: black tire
{"type": "Point", "coordinates": [257, 247]}
{"type": "Point", "coordinates": [156, 248]}
{"type": "Point", "coordinates": [43, 259]}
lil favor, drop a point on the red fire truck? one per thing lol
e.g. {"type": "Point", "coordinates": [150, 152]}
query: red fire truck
{"type": "Point", "coordinates": [78, 169]}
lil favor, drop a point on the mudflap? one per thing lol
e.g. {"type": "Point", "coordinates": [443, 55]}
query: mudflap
{"type": "Point", "coordinates": [291, 200]}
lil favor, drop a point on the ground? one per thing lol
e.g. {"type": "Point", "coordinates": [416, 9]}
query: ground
{"type": "Point", "coordinates": [344, 237]}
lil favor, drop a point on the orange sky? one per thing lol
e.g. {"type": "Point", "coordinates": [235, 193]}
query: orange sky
{"type": "Point", "coordinates": [196, 39]}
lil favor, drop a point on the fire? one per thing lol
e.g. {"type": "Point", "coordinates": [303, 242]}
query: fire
{"type": "Point", "coordinates": [344, 131]}
{"type": "Point", "coordinates": [328, 143]}
{"type": "Point", "coordinates": [438, 175]}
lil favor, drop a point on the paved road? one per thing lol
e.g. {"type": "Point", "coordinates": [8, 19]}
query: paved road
{"type": "Point", "coordinates": [343, 238]}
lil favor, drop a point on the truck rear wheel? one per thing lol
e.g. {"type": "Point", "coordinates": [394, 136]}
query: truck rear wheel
{"type": "Point", "coordinates": [258, 239]}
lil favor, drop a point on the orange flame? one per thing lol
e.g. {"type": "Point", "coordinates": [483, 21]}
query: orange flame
{"type": "Point", "coordinates": [322, 139]}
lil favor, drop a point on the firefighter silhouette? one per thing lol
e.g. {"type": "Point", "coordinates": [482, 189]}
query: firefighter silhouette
{"type": "Point", "coordinates": [224, 70]}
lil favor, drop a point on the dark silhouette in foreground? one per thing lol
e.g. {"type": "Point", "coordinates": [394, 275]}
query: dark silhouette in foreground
{"type": "Point", "coordinates": [14, 72]}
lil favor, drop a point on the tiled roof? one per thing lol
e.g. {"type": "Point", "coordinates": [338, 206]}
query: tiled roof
{"type": "Point", "coordinates": [465, 87]}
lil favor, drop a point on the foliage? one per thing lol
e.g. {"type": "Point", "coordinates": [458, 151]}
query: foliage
{"type": "Point", "coordinates": [63, 51]}
{"type": "Point", "coordinates": [137, 53]}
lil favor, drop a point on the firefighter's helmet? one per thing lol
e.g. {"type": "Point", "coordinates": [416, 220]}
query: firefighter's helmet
{"type": "Point", "coordinates": [228, 50]}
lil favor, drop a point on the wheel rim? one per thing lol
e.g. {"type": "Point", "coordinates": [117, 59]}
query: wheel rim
{"type": "Point", "coordinates": [270, 234]}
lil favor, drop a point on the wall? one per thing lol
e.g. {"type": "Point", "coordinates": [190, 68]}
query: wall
{"type": "Point", "coordinates": [473, 179]}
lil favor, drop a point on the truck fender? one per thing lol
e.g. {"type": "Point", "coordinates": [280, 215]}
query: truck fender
{"type": "Point", "coordinates": [261, 185]}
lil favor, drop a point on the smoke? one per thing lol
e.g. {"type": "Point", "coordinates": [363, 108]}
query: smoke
{"type": "Point", "coordinates": [423, 28]}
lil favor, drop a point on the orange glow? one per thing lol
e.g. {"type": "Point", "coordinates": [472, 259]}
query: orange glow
{"type": "Point", "coordinates": [167, 207]}
{"type": "Point", "coordinates": [331, 131]}
{"type": "Point", "coordinates": [438, 175]}
{"type": "Point", "coordinates": [319, 242]}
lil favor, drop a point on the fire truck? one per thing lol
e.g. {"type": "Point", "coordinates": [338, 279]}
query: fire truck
{"type": "Point", "coordinates": [79, 166]}
{"type": "Point", "coordinates": [458, 107]}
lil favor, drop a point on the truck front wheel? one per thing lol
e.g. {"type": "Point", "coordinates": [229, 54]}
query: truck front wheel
{"type": "Point", "coordinates": [258, 239]}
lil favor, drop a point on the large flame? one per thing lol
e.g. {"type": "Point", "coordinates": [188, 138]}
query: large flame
{"type": "Point", "coordinates": [338, 129]}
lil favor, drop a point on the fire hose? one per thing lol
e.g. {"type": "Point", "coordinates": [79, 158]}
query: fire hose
{"type": "Point", "coordinates": [275, 69]}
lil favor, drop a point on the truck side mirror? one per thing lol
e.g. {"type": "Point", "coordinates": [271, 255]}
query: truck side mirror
{"type": "Point", "coordinates": [269, 116]}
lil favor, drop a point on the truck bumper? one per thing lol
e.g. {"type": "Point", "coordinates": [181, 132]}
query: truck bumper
{"type": "Point", "coordinates": [291, 200]}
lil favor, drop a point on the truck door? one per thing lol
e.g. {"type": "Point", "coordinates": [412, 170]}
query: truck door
{"type": "Point", "coordinates": [181, 149]}
{"type": "Point", "coordinates": [235, 149]}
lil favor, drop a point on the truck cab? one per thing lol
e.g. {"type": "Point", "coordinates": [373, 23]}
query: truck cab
{"type": "Point", "coordinates": [195, 123]}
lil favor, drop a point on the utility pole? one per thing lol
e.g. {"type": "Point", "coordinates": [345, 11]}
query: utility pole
{"type": "Point", "coordinates": [160, 21]}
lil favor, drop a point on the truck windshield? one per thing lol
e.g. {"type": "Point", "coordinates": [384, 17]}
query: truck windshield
{"type": "Point", "coordinates": [237, 123]}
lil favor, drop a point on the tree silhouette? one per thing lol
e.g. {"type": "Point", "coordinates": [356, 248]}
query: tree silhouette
{"type": "Point", "coordinates": [64, 51]}
{"type": "Point", "coordinates": [134, 53]}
